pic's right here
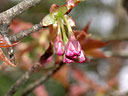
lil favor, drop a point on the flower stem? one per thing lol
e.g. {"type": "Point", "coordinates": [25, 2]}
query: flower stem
{"type": "Point", "coordinates": [58, 28]}
{"type": "Point", "coordinates": [70, 32]}
{"type": "Point", "coordinates": [65, 39]}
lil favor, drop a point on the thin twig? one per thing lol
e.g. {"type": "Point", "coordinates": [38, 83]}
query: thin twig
{"type": "Point", "coordinates": [24, 33]}
{"type": "Point", "coordinates": [21, 80]}
{"type": "Point", "coordinates": [26, 76]}
{"type": "Point", "coordinates": [41, 80]}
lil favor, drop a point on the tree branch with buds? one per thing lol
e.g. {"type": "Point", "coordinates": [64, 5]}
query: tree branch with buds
{"type": "Point", "coordinates": [6, 19]}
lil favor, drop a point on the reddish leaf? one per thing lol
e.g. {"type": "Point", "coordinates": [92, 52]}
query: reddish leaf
{"type": "Point", "coordinates": [96, 53]}
{"type": "Point", "coordinates": [45, 56]}
{"type": "Point", "coordinates": [48, 59]}
{"type": "Point", "coordinates": [89, 44]}
{"type": "Point", "coordinates": [80, 34]}
{"type": "Point", "coordinates": [5, 59]}
{"type": "Point", "coordinates": [87, 27]}
{"type": "Point", "coordinates": [3, 42]}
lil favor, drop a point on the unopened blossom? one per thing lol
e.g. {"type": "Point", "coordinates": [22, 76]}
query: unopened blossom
{"type": "Point", "coordinates": [58, 45]}
{"type": "Point", "coordinates": [72, 48]}
{"type": "Point", "coordinates": [82, 57]}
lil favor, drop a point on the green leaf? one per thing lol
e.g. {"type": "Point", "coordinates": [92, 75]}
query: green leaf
{"type": "Point", "coordinates": [49, 19]}
{"type": "Point", "coordinates": [52, 17]}
{"type": "Point", "coordinates": [61, 11]}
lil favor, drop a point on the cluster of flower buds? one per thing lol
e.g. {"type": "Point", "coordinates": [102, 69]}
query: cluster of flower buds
{"type": "Point", "coordinates": [66, 44]}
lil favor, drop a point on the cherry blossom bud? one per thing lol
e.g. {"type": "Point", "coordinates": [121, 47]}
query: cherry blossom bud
{"type": "Point", "coordinates": [82, 57]}
{"type": "Point", "coordinates": [72, 48]}
{"type": "Point", "coordinates": [58, 45]}
{"type": "Point", "coordinates": [66, 60]}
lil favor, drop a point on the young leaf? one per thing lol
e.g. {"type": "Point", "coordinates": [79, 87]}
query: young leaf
{"type": "Point", "coordinates": [88, 44]}
{"type": "Point", "coordinates": [49, 19]}
{"type": "Point", "coordinates": [87, 27]}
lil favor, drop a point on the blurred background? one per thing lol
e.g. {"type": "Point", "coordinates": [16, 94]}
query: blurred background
{"type": "Point", "coordinates": [99, 77]}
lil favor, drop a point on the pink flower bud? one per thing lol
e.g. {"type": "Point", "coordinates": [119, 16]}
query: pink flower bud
{"type": "Point", "coordinates": [58, 45]}
{"type": "Point", "coordinates": [72, 48]}
{"type": "Point", "coordinates": [66, 60]}
{"type": "Point", "coordinates": [82, 57]}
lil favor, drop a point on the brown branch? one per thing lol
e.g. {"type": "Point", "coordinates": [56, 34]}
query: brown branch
{"type": "Point", "coordinates": [7, 16]}
{"type": "Point", "coordinates": [5, 20]}
{"type": "Point", "coordinates": [41, 80]}
{"type": "Point", "coordinates": [26, 76]}
{"type": "Point", "coordinates": [21, 80]}
{"type": "Point", "coordinates": [24, 33]}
